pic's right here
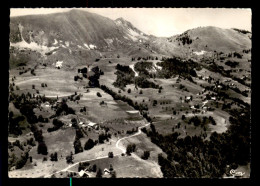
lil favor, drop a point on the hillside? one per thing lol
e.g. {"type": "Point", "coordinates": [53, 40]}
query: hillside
{"type": "Point", "coordinates": [95, 97]}
{"type": "Point", "coordinates": [88, 34]}
{"type": "Point", "coordinates": [213, 38]}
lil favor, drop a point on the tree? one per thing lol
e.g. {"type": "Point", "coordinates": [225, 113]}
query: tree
{"type": "Point", "coordinates": [111, 167]}
{"type": "Point", "coordinates": [94, 168]}
{"type": "Point", "coordinates": [69, 158]}
{"type": "Point", "coordinates": [129, 149]}
{"type": "Point", "coordinates": [40, 118]}
{"type": "Point", "coordinates": [113, 174]}
{"type": "Point", "coordinates": [32, 72]}
{"type": "Point", "coordinates": [102, 137]}
{"type": "Point", "coordinates": [133, 147]}
{"type": "Point", "coordinates": [54, 157]}
{"type": "Point", "coordinates": [79, 134]}
{"type": "Point", "coordinates": [42, 148]}
{"type": "Point", "coordinates": [146, 155]}
{"type": "Point", "coordinates": [99, 173]}
{"type": "Point", "coordinates": [20, 163]}
{"type": "Point", "coordinates": [77, 146]}
{"type": "Point", "coordinates": [89, 144]}
{"type": "Point", "coordinates": [11, 88]}
{"type": "Point", "coordinates": [129, 91]}
{"type": "Point", "coordinates": [98, 94]}
{"type": "Point", "coordinates": [110, 155]}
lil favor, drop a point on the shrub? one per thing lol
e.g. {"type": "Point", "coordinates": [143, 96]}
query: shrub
{"type": "Point", "coordinates": [89, 144]}
{"type": "Point", "coordinates": [110, 155]}
{"type": "Point", "coordinates": [42, 148]}
{"type": "Point", "coordinates": [77, 146]}
{"type": "Point", "coordinates": [98, 94]}
{"type": "Point", "coordinates": [146, 155]}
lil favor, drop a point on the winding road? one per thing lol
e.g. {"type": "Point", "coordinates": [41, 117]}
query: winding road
{"type": "Point", "coordinates": [102, 157]}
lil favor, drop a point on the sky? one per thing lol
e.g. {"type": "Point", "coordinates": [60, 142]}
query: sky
{"type": "Point", "coordinates": [163, 22]}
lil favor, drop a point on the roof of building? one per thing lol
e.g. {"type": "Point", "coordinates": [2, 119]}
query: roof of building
{"type": "Point", "coordinates": [92, 124]}
{"type": "Point", "coordinates": [81, 173]}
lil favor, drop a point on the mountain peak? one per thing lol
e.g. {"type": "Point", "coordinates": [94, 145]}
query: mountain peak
{"type": "Point", "coordinates": [123, 22]}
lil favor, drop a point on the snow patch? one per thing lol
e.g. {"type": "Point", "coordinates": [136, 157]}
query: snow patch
{"type": "Point", "coordinates": [132, 111]}
{"type": "Point", "coordinates": [133, 33]}
{"type": "Point", "coordinates": [132, 37]}
{"type": "Point", "coordinates": [92, 46]}
{"type": "Point", "coordinates": [32, 45]}
{"type": "Point", "coordinates": [109, 41]}
{"type": "Point", "coordinates": [79, 46]}
{"type": "Point", "coordinates": [200, 53]}
{"type": "Point", "coordinates": [59, 64]}
{"type": "Point", "coordinates": [86, 45]}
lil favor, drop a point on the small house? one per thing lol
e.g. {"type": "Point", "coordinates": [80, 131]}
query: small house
{"type": "Point", "coordinates": [106, 171]}
{"type": "Point", "coordinates": [93, 125]}
{"type": "Point", "coordinates": [204, 108]}
{"type": "Point", "coordinates": [213, 98]}
{"type": "Point", "coordinates": [188, 98]}
{"type": "Point", "coordinates": [82, 173]}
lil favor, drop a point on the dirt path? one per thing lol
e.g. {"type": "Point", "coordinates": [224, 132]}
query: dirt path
{"type": "Point", "coordinates": [102, 157]}
{"type": "Point", "coordinates": [132, 67]}
{"type": "Point", "coordinates": [138, 133]}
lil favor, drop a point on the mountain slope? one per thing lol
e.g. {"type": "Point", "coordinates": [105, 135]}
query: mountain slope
{"type": "Point", "coordinates": [213, 38]}
{"type": "Point", "coordinates": [88, 35]}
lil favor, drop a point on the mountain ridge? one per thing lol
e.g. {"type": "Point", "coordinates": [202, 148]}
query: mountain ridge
{"type": "Point", "coordinates": [90, 34]}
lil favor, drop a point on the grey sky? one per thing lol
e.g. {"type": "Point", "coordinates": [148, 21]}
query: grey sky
{"type": "Point", "coordinates": [165, 21]}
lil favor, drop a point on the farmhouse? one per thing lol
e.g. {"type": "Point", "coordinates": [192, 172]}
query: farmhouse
{"type": "Point", "coordinates": [204, 108]}
{"type": "Point", "coordinates": [213, 98]}
{"type": "Point", "coordinates": [188, 98]}
{"type": "Point", "coordinates": [106, 171]}
{"type": "Point", "coordinates": [132, 111]}
{"type": "Point", "coordinates": [93, 125]}
{"type": "Point", "coordinates": [81, 123]}
{"type": "Point", "coordinates": [29, 134]}
{"type": "Point", "coordinates": [82, 173]}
